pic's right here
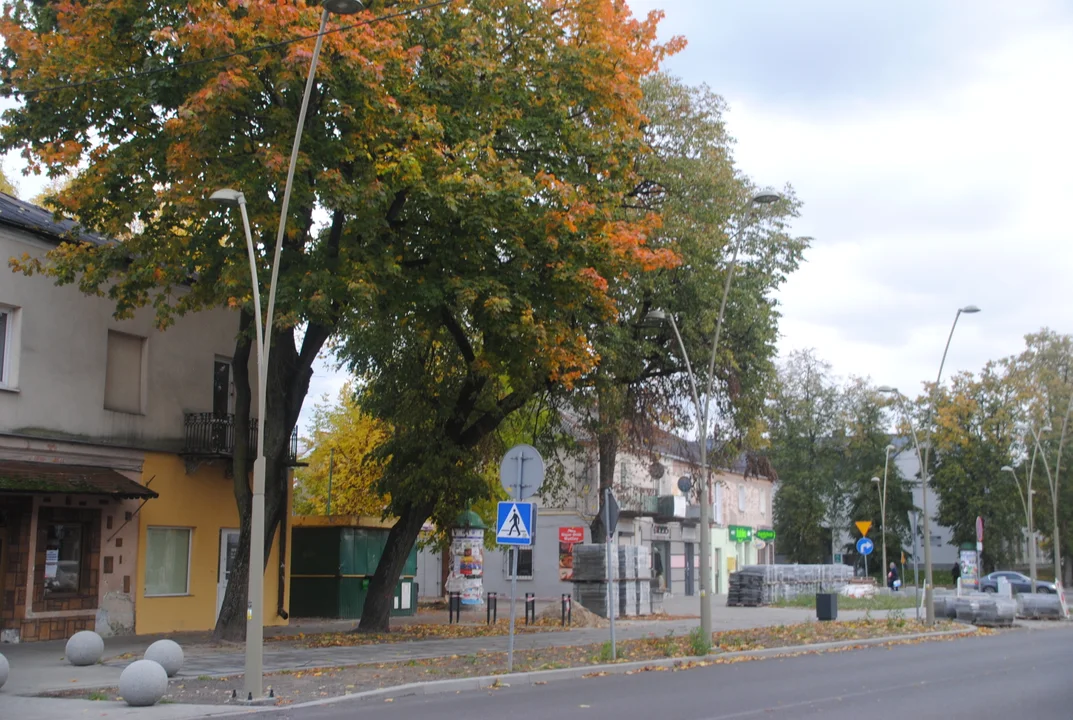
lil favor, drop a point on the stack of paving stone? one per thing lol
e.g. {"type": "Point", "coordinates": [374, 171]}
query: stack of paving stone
{"type": "Point", "coordinates": [1040, 606]}
{"type": "Point", "coordinates": [983, 609]}
{"type": "Point", "coordinates": [945, 605]}
{"type": "Point", "coordinates": [632, 579]}
{"type": "Point", "coordinates": [784, 582]}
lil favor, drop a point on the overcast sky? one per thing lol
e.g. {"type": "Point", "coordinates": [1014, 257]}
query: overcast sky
{"type": "Point", "coordinates": [931, 142]}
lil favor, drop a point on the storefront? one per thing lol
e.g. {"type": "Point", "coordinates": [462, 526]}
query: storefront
{"type": "Point", "coordinates": [68, 550]}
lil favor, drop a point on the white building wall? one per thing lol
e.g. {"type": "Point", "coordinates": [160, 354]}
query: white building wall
{"type": "Point", "coordinates": [60, 348]}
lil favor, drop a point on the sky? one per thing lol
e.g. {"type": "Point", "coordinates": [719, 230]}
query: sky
{"type": "Point", "coordinates": [930, 143]}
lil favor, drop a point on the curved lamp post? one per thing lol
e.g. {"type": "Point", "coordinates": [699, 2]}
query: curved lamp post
{"type": "Point", "coordinates": [883, 503]}
{"type": "Point", "coordinates": [1026, 503]}
{"type": "Point", "coordinates": [254, 667]}
{"type": "Point", "coordinates": [765, 197]}
{"type": "Point", "coordinates": [924, 474]}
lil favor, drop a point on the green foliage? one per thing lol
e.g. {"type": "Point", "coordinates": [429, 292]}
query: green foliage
{"type": "Point", "coordinates": [827, 443]}
{"type": "Point", "coordinates": [605, 655]}
{"type": "Point", "coordinates": [6, 185]}
{"type": "Point", "coordinates": [700, 643]}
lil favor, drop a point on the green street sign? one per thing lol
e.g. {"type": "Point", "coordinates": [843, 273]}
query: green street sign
{"type": "Point", "coordinates": [740, 533]}
{"type": "Point", "coordinates": [765, 535]}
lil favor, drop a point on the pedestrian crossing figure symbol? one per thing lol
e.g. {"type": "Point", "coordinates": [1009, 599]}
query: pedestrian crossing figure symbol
{"type": "Point", "coordinates": [514, 523]}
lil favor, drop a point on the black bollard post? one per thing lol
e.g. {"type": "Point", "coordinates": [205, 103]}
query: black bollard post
{"type": "Point", "coordinates": [530, 608]}
{"type": "Point", "coordinates": [567, 609]}
{"type": "Point", "coordinates": [490, 612]}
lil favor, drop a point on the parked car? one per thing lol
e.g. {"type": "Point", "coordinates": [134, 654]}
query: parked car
{"type": "Point", "coordinates": [1020, 583]}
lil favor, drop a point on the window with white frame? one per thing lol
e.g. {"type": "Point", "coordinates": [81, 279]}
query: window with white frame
{"type": "Point", "coordinates": [525, 563]}
{"type": "Point", "coordinates": [167, 561]}
{"type": "Point", "coordinates": [8, 320]}
{"type": "Point", "coordinates": [741, 498]}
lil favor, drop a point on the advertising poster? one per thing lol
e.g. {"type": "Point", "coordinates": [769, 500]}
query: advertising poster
{"type": "Point", "coordinates": [467, 565]}
{"type": "Point", "coordinates": [568, 538]}
{"type": "Point", "coordinates": [970, 575]}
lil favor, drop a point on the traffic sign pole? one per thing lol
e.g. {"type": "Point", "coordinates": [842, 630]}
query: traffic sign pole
{"type": "Point", "coordinates": [514, 573]}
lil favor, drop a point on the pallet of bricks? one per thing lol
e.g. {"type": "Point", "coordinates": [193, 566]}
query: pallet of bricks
{"type": "Point", "coordinates": [755, 585]}
{"type": "Point", "coordinates": [631, 586]}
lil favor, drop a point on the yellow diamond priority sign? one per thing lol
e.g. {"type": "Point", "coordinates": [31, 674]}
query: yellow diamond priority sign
{"type": "Point", "coordinates": [864, 526]}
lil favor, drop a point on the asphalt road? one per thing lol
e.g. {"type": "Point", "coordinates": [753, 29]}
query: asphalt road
{"type": "Point", "coordinates": [1015, 674]}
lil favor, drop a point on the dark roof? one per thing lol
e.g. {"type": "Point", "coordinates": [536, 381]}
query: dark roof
{"type": "Point", "coordinates": [42, 478]}
{"type": "Point", "coordinates": [38, 220]}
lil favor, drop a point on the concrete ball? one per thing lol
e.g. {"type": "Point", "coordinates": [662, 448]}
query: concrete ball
{"type": "Point", "coordinates": [168, 654]}
{"type": "Point", "coordinates": [143, 683]}
{"type": "Point", "coordinates": [4, 670]}
{"type": "Point", "coordinates": [84, 648]}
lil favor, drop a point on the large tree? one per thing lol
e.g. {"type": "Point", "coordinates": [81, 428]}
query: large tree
{"type": "Point", "coordinates": [452, 206]}
{"type": "Point", "coordinates": [689, 178]}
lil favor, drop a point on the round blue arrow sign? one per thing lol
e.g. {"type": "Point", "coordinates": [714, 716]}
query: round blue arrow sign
{"type": "Point", "coordinates": [865, 546]}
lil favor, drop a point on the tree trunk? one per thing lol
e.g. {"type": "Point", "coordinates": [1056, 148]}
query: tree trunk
{"type": "Point", "coordinates": [376, 614]}
{"type": "Point", "coordinates": [607, 442]}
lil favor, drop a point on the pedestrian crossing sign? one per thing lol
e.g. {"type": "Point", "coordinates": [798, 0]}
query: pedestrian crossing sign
{"type": "Point", "coordinates": [514, 523]}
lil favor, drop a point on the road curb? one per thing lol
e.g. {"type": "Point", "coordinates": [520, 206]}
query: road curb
{"type": "Point", "coordinates": [483, 682]}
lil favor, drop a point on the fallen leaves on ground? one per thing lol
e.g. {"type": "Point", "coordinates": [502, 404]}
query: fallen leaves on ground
{"type": "Point", "coordinates": [305, 684]}
{"type": "Point", "coordinates": [414, 632]}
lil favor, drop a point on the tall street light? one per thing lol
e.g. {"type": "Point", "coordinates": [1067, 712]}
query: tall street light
{"type": "Point", "coordinates": [760, 198]}
{"type": "Point", "coordinates": [883, 504]}
{"type": "Point", "coordinates": [928, 594]}
{"type": "Point", "coordinates": [254, 668]}
{"type": "Point", "coordinates": [1026, 503]}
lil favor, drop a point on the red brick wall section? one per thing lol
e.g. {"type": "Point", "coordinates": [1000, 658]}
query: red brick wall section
{"type": "Point", "coordinates": [16, 533]}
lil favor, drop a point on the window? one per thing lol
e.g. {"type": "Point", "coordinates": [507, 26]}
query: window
{"type": "Point", "coordinates": [63, 558]}
{"type": "Point", "coordinates": [167, 561]}
{"type": "Point", "coordinates": [8, 337]}
{"type": "Point", "coordinates": [124, 378]}
{"type": "Point", "coordinates": [719, 503]}
{"type": "Point", "coordinates": [741, 498]}
{"type": "Point", "coordinates": [525, 563]}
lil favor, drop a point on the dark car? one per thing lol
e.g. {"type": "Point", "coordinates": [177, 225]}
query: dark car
{"type": "Point", "coordinates": [1019, 582]}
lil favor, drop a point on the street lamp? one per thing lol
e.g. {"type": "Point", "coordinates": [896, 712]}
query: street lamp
{"type": "Point", "coordinates": [1027, 505]}
{"type": "Point", "coordinates": [764, 197]}
{"type": "Point", "coordinates": [883, 504]}
{"type": "Point", "coordinates": [924, 475]}
{"type": "Point", "coordinates": [254, 667]}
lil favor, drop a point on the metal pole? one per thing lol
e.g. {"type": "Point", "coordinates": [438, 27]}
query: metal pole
{"type": "Point", "coordinates": [916, 565]}
{"type": "Point", "coordinates": [514, 571]}
{"type": "Point", "coordinates": [611, 595]}
{"type": "Point", "coordinates": [929, 604]}
{"type": "Point", "coordinates": [254, 669]}
{"type": "Point", "coordinates": [331, 466]}
{"type": "Point", "coordinates": [883, 509]}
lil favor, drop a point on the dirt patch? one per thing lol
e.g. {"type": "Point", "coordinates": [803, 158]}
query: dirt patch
{"type": "Point", "coordinates": [580, 617]}
{"type": "Point", "coordinates": [307, 685]}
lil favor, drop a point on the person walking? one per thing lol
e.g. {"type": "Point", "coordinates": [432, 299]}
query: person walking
{"type": "Point", "coordinates": [955, 573]}
{"type": "Point", "coordinates": [893, 581]}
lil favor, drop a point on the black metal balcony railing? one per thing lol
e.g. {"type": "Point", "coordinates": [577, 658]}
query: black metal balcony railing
{"type": "Point", "coordinates": [213, 435]}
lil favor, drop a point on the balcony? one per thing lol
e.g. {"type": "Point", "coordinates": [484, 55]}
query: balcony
{"type": "Point", "coordinates": [211, 435]}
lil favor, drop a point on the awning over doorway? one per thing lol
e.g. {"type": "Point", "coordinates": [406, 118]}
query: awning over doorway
{"type": "Point", "coordinates": [46, 478]}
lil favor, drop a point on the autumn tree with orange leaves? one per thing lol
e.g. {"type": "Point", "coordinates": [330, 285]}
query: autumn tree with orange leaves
{"type": "Point", "coordinates": [454, 222]}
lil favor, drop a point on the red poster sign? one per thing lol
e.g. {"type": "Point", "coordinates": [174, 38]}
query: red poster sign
{"type": "Point", "coordinates": [568, 538]}
{"type": "Point", "coordinates": [979, 529]}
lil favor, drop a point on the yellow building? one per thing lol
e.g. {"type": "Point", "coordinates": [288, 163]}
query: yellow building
{"type": "Point", "coordinates": [186, 543]}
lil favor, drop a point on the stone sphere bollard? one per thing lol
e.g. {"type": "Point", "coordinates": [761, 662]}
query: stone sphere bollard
{"type": "Point", "coordinates": [168, 654]}
{"type": "Point", "coordinates": [143, 683]}
{"type": "Point", "coordinates": [84, 648]}
{"type": "Point", "coordinates": [4, 670]}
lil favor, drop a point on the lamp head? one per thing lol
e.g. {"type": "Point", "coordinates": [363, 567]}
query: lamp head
{"type": "Point", "coordinates": [1006, 468]}
{"type": "Point", "coordinates": [656, 315]}
{"type": "Point", "coordinates": [229, 197]}
{"type": "Point", "coordinates": [887, 389]}
{"type": "Point", "coordinates": [969, 309]}
{"type": "Point", "coordinates": [342, 7]}
{"type": "Point", "coordinates": [765, 197]}
{"type": "Point", "coordinates": [891, 448]}
{"type": "Point", "coordinates": [875, 480]}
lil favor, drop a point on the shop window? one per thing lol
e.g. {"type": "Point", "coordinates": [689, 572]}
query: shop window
{"type": "Point", "coordinates": [8, 347]}
{"type": "Point", "coordinates": [63, 558]}
{"type": "Point", "coordinates": [525, 563]}
{"type": "Point", "coordinates": [167, 561]}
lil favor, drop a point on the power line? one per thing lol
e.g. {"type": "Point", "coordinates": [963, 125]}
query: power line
{"type": "Point", "coordinates": [236, 53]}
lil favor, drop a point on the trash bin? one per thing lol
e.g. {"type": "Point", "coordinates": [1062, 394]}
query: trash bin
{"type": "Point", "coordinates": [826, 606]}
